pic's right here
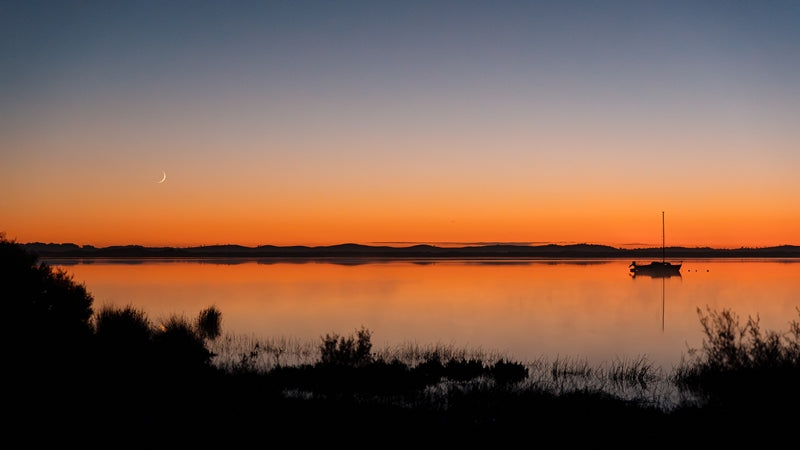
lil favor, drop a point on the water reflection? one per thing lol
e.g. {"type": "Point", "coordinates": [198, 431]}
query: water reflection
{"type": "Point", "coordinates": [525, 308]}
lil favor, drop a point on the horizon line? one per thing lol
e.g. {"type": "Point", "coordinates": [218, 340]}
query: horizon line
{"type": "Point", "coordinates": [406, 244]}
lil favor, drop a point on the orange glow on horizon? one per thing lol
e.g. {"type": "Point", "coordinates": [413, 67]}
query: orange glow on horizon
{"type": "Point", "coordinates": [177, 236]}
{"type": "Point", "coordinates": [137, 212]}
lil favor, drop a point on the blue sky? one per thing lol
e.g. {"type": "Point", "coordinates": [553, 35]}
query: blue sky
{"type": "Point", "coordinates": [392, 120]}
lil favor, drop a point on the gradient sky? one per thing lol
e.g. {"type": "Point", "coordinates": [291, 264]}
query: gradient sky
{"type": "Point", "coordinates": [315, 123]}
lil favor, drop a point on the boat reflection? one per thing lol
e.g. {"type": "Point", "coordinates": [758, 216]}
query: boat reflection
{"type": "Point", "coordinates": [663, 283]}
{"type": "Point", "coordinates": [663, 276]}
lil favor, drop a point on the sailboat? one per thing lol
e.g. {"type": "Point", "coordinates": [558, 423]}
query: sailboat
{"type": "Point", "coordinates": [657, 268]}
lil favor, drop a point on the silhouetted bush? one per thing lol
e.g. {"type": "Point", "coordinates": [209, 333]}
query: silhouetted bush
{"type": "Point", "coordinates": [123, 327]}
{"type": "Point", "coordinates": [463, 369]}
{"type": "Point", "coordinates": [508, 372]}
{"type": "Point", "coordinates": [432, 368]}
{"type": "Point", "coordinates": [347, 351]}
{"type": "Point", "coordinates": [740, 368]}
{"type": "Point", "coordinates": [127, 342]}
{"type": "Point", "coordinates": [123, 339]}
{"type": "Point", "coordinates": [209, 323]}
{"type": "Point", "coordinates": [180, 347]}
{"type": "Point", "coordinates": [47, 314]}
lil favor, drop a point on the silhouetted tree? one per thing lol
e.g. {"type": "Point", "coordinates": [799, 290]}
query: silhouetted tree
{"type": "Point", "coordinates": [47, 314]}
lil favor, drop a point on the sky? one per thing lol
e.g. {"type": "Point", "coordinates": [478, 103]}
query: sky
{"type": "Point", "coordinates": [400, 122]}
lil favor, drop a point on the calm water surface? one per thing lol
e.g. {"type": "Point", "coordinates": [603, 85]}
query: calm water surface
{"type": "Point", "coordinates": [592, 310]}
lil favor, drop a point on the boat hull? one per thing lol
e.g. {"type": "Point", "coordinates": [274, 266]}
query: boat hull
{"type": "Point", "coordinates": [656, 269]}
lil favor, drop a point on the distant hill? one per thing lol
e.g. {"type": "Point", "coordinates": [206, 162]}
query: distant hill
{"type": "Point", "coordinates": [69, 250]}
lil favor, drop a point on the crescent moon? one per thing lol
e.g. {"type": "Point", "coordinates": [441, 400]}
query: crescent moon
{"type": "Point", "coordinates": [163, 178]}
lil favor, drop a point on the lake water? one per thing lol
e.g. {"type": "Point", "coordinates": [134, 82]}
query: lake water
{"type": "Point", "coordinates": [526, 309]}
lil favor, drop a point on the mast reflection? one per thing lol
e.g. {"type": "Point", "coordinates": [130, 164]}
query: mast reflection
{"type": "Point", "coordinates": [663, 276]}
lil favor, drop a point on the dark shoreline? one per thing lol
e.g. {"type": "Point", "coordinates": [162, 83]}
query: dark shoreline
{"type": "Point", "coordinates": [550, 251]}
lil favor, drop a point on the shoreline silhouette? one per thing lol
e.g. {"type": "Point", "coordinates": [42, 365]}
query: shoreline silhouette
{"type": "Point", "coordinates": [587, 251]}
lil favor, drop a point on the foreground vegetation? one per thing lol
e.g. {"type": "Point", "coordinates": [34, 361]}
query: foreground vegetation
{"type": "Point", "coordinates": [110, 376]}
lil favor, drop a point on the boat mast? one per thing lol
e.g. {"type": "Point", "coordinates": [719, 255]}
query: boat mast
{"type": "Point", "coordinates": [663, 248]}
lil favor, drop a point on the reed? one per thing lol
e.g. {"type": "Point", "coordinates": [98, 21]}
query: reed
{"type": "Point", "coordinates": [252, 353]}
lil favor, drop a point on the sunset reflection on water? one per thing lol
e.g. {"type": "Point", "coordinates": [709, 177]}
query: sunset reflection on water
{"type": "Point", "coordinates": [593, 310]}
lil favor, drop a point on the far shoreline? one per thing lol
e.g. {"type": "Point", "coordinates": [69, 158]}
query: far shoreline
{"type": "Point", "coordinates": [421, 251]}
